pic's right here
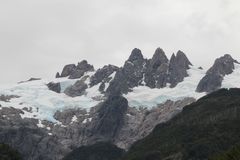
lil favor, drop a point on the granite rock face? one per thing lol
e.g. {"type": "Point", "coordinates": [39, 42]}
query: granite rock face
{"type": "Point", "coordinates": [214, 76]}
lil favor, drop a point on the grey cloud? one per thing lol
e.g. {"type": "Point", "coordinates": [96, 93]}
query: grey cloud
{"type": "Point", "coordinates": [38, 37]}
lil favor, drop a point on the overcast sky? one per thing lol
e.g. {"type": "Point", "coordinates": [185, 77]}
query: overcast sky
{"type": "Point", "coordinates": [38, 37]}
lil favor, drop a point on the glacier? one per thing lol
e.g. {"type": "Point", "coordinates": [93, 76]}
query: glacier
{"type": "Point", "coordinates": [42, 103]}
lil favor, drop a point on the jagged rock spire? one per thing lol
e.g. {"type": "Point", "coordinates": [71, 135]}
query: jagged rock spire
{"type": "Point", "coordinates": [135, 55]}
{"type": "Point", "coordinates": [178, 66]}
{"type": "Point", "coordinates": [182, 59]}
{"type": "Point", "coordinates": [158, 58]}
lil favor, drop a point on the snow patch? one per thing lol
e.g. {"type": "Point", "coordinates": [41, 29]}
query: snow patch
{"type": "Point", "coordinates": [74, 119]}
{"type": "Point", "coordinates": [232, 80]}
{"type": "Point", "coordinates": [112, 77]}
{"type": "Point", "coordinates": [40, 125]}
{"type": "Point", "coordinates": [87, 120]}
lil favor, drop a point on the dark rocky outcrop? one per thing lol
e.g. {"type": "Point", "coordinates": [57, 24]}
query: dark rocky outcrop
{"type": "Point", "coordinates": [7, 98]}
{"type": "Point", "coordinates": [130, 75]}
{"type": "Point", "coordinates": [102, 76]}
{"type": "Point", "coordinates": [31, 79]}
{"type": "Point", "coordinates": [68, 70]}
{"type": "Point", "coordinates": [154, 73]}
{"type": "Point", "coordinates": [74, 71]}
{"type": "Point", "coordinates": [214, 76]}
{"type": "Point", "coordinates": [66, 116]}
{"type": "Point", "coordinates": [77, 89]}
{"type": "Point", "coordinates": [81, 68]}
{"type": "Point", "coordinates": [58, 75]}
{"type": "Point", "coordinates": [178, 67]}
{"type": "Point", "coordinates": [157, 70]}
{"type": "Point", "coordinates": [55, 87]}
{"type": "Point", "coordinates": [110, 117]}
{"type": "Point", "coordinates": [133, 68]}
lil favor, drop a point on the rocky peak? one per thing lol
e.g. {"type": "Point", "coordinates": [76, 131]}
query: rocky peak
{"type": "Point", "coordinates": [130, 75]}
{"type": "Point", "coordinates": [172, 59]}
{"type": "Point", "coordinates": [223, 65]}
{"type": "Point", "coordinates": [158, 58]}
{"type": "Point", "coordinates": [83, 65]}
{"type": "Point", "coordinates": [182, 60]}
{"type": "Point", "coordinates": [74, 71]}
{"type": "Point", "coordinates": [68, 70]}
{"type": "Point", "coordinates": [157, 68]}
{"type": "Point", "coordinates": [58, 75]}
{"type": "Point", "coordinates": [178, 67]}
{"type": "Point", "coordinates": [136, 55]}
{"type": "Point", "coordinates": [214, 76]}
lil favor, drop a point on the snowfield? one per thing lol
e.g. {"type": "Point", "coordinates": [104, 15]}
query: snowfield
{"type": "Point", "coordinates": [232, 80]}
{"type": "Point", "coordinates": [42, 103]}
{"type": "Point", "coordinates": [144, 96]}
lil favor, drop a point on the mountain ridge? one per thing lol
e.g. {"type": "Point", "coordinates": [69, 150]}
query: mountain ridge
{"type": "Point", "coordinates": [115, 104]}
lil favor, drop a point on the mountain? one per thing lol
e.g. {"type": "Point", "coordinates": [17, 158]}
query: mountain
{"type": "Point", "coordinates": [49, 118]}
{"type": "Point", "coordinates": [203, 129]}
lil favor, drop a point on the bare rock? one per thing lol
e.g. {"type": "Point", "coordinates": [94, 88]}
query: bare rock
{"type": "Point", "coordinates": [77, 89]}
{"type": "Point", "coordinates": [214, 76]}
{"type": "Point", "coordinates": [157, 70]}
{"type": "Point", "coordinates": [81, 68]}
{"type": "Point", "coordinates": [68, 70]}
{"type": "Point", "coordinates": [178, 67]}
{"type": "Point", "coordinates": [7, 98]}
{"type": "Point", "coordinates": [55, 87]}
{"type": "Point", "coordinates": [102, 75]}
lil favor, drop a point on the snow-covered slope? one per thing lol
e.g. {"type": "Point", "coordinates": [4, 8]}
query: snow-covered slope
{"type": "Point", "coordinates": [232, 80]}
{"type": "Point", "coordinates": [144, 96]}
{"type": "Point", "coordinates": [42, 103]}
